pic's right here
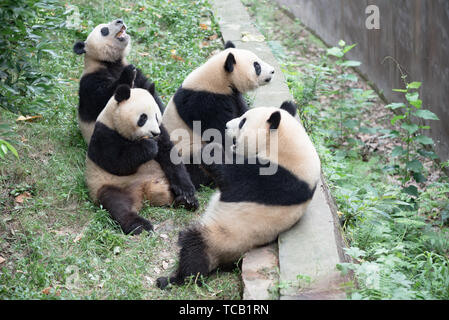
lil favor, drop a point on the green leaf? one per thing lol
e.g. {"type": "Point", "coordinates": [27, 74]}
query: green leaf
{"type": "Point", "coordinates": [6, 145]}
{"type": "Point", "coordinates": [415, 166]}
{"type": "Point", "coordinates": [348, 48]}
{"type": "Point", "coordinates": [400, 90]}
{"type": "Point", "coordinates": [396, 118]}
{"type": "Point", "coordinates": [394, 106]}
{"type": "Point", "coordinates": [414, 85]}
{"type": "Point", "coordinates": [336, 52]}
{"type": "Point", "coordinates": [411, 128]}
{"type": "Point", "coordinates": [350, 63]}
{"type": "Point", "coordinates": [425, 114]}
{"type": "Point", "coordinates": [411, 190]}
{"type": "Point", "coordinates": [419, 177]}
{"type": "Point", "coordinates": [398, 151]}
{"type": "Point", "coordinates": [417, 104]}
{"type": "Point", "coordinates": [412, 96]}
{"type": "Point", "coordinates": [428, 154]}
{"type": "Point", "coordinates": [424, 140]}
{"type": "Point", "coordinates": [341, 43]}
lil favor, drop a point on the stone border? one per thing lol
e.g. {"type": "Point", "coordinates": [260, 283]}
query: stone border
{"type": "Point", "coordinates": [313, 247]}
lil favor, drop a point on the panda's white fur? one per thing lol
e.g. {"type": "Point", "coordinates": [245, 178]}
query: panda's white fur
{"type": "Point", "coordinates": [111, 48]}
{"type": "Point", "coordinates": [230, 227]}
{"type": "Point", "coordinates": [212, 94]}
{"type": "Point", "coordinates": [128, 160]}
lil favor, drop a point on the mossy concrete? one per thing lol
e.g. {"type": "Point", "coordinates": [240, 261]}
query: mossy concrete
{"type": "Point", "coordinates": [308, 252]}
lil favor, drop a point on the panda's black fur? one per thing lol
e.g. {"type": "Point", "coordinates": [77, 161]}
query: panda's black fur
{"type": "Point", "coordinates": [98, 87]}
{"type": "Point", "coordinates": [212, 109]}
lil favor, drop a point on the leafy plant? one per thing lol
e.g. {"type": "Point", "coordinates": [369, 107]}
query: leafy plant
{"type": "Point", "coordinates": [413, 141]}
{"type": "Point", "coordinates": [24, 40]}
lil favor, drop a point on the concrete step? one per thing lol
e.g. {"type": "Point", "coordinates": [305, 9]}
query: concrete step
{"type": "Point", "coordinates": [304, 262]}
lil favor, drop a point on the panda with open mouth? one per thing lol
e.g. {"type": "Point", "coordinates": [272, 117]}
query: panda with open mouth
{"type": "Point", "coordinates": [105, 68]}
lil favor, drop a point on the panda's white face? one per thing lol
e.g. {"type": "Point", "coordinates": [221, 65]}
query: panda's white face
{"type": "Point", "coordinates": [251, 132]}
{"type": "Point", "coordinates": [108, 42]}
{"type": "Point", "coordinates": [138, 117]}
{"type": "Point", "coordinates": [249, 71]}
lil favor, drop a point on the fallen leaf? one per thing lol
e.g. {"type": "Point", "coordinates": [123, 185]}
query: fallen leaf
{"type": "Point", "coordinates": [204, 26]}
{"type": "Point", "coordinates": [116, 250]}
{"type": "Point", "coordinates": [163, 236]}
{"type": "Point", "coordinates": [2, 259]}
{"type": "Point", "coordinates": [246, 36]}
{"type": "Point", "coordinates": [165, 265]}
{"type": "Point", "coordinates": [46, 290]}
{"type": "Point", "coordinates": [28, 118]}
{"type": "Point", "coordinates": [213, 37]}
{"type": "Point", "coordinates": [144, 54]}
{"type": "Point", "coordinates": [22, 197]}
{"type": "Point", "coordinates": [142, 8]}
{"type": "Point", "coordinates": [177, 57]}
{"type": "Point", "coordinates": [78, 238]}
{"type": "Point", "coordinates": [157, 270]}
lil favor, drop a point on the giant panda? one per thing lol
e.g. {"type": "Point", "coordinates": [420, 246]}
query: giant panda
{"type": "Point", "coordinates": [128, 160]}
{"type": "Point", "coordinates": [251, 209]}
{"type": "Point", "coordinates": [105, 68]}
{"type": "Point", "coordinates": [212, 94]}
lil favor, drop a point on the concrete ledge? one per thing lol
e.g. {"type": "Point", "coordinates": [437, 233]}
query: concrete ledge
{"type": "Point", "coordinates": [311, 249]}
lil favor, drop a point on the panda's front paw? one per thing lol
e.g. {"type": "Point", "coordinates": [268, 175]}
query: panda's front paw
{"type": "Point", "coordinates": [128, 75]}
{"type": "Point", "coordinates": [137, 225]}
{"type": "Point", "coordinates": [188, 201]}
{"type": "Point", "coordinates": [151, 148]}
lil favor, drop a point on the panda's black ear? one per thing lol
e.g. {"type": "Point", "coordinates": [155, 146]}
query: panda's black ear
{"type": "Point", "coordinates": [229, 64]}
{"type": "Point", "coordinates": [229, 44]}
{"type": "Point", "coordinates": [152, 88]}
{"type": "Point", "coordinates": [78, 47]}
{"type": "Point", "coordinates": [290, 107]}
{"type": "Point", "coordinates": [123, 92]}
{"type": "Point", "coordinates": [274, 120]}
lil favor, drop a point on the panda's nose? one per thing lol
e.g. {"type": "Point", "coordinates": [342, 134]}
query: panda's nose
{"type": "Point", "coordinates": [119, 21]}
{"type": "Point", "coordinates": [155, 133]}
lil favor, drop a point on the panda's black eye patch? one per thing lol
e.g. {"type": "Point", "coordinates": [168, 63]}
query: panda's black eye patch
{"type": "Point", "coordinates": [105, 31]}
{"type": "Point", "coordinates": [142, 120]}
{"type": "Point", "coordinates": [242, 122]}
{"type": "Point", "coordinates": [257, 68]}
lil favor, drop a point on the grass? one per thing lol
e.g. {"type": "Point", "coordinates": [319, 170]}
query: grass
{"type": "Point", "coordinates": [56, 243]}
{"type": "Point", "coordinates": [398, 243]}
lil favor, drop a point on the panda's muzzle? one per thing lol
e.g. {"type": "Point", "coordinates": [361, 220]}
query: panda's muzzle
{"type": "Point", "coordinates": [121, 35]}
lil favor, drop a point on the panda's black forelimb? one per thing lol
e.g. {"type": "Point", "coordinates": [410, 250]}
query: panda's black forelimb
{"type": "Point", "coordinates": [177, 175]}
{"type": "Point", "coordinates": [118, 155]}
{"type": "Point", "coordinates": [119, 204]}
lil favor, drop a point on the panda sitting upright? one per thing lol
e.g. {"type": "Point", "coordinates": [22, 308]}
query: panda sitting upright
{"type": "Point", "coordinates": [258, 198]}
{"type": "Point", "coordinates": [212, 95]}
{"type": "Point", "coordinates": [105, 68]}
{"type": "Point", "coordinates": [128, 160]}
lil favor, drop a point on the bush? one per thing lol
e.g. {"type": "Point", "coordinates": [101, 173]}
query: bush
{"type": "Point", "coordinates": [27, 27]}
